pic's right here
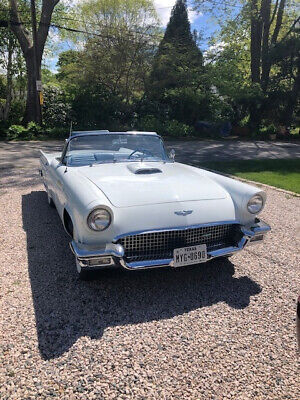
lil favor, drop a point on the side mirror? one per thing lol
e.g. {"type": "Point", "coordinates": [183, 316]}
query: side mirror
{"type": "Point", "coordinates": [172, 155]}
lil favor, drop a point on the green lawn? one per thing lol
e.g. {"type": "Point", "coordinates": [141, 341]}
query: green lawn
{"type": "Point", "coordinates": [282, 173]}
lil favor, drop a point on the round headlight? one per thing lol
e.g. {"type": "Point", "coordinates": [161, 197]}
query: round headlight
{"type": "Point", "coordinates": [255, 204]}
{"type": "Point", "coordinates": [99, 219]}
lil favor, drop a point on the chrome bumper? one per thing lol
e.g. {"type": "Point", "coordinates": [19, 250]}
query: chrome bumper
{"type": "Point", "coordinates": [113, 254]}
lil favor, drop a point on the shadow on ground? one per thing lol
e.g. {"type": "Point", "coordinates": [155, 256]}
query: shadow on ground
{"type": "Point", "coordinates": [66, 309]}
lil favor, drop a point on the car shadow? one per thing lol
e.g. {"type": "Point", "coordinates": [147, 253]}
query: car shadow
{"type": "Point", "coordinates": [66, 308]}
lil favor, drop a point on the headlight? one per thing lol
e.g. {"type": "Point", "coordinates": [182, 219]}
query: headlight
{"type": "Point", "coordinates": [99, 219]}
{"type": "Point", "coordinates": [255, 204]}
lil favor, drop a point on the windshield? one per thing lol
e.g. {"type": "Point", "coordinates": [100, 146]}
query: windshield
{"type": "Point", "coordinates": [112, 148]}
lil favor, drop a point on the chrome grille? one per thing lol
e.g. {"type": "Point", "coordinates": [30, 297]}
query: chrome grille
{"type": "Point", "coordinates": [160, 245]}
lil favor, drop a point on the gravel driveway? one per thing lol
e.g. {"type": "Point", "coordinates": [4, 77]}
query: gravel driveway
{"type": "Point", "coordinates": [224, 330]}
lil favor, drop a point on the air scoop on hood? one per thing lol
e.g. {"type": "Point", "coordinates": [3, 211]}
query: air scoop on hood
{"type": "Point", "coordinates": [143, 169]}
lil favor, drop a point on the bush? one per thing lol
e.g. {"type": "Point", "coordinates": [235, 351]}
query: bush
{"type": "Point", "coordinates": [16, 132]}
{"type": "Point", "coordinates": [173, 128]}
{"type": "Point", "coordinates": [56, 110]}
{"type": "Point", "coordinates": [266, 130]}
{"type": "Point", "coordinates": [150, 123]}
{"type": "Point", "coordinates": [177, 129]}
{"type": "Point", "coordinates": [20, 132]}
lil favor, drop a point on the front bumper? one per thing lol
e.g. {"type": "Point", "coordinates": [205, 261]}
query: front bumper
{"type": "Point", "coordinates": [113, 254]}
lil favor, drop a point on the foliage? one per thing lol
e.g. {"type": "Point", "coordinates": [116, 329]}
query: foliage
{"type": "Point", "coordinates": [56, 111]}
{"type": "Point", "coordinates": [12, 66]}
{"type": "Point", "coordinates": [269, 129]}
{"type": "Point", "coordinates": [32, 132]}
{"type": "Point", "coordinates": [171, 128]}
{"type": "Point", "coordinates": [178, 62]}
{"type": "Point", "coordinates": [118, 59]}
{"type": "Point", "coordinates": [123, 72]}
{"type": "Point", "coordinates": [177, 129]}
{"type": "Point", "coordinates": [260, 52]}
{"type": "Point", "coordinates": [150, 123]}
{"type": "Point", "coordinates": [20, 132]}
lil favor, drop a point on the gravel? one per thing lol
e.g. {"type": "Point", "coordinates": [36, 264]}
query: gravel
{"type": "Point", "coordinates": [223, 330]}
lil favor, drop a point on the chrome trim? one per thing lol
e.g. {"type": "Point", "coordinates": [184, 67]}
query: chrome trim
{"type": "Point", "coordinates": [113, 250]}
{"type": "Point", "coordinates": [117, 251]}
{"type": "Point", "coordinates": [183, 212]}
{"type": "Point", "coordinates": [96, 266]}
{"type": "Point", "coordinates": [168, 262]}
{"type": "Point", "coordinates": [260, 227]}
{"type": "Point", "coordinates": [176, 228]}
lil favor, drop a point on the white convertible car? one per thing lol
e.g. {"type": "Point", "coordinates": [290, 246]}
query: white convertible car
{"type": "Point", "coordinates": [125, 202]}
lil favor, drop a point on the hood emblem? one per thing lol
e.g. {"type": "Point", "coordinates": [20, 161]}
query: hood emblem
{"type": "Point", "coordinates": [183, 212]}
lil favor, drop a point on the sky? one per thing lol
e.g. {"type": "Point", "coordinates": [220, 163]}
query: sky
{"type": "Point", "coordinates": [198, 21]}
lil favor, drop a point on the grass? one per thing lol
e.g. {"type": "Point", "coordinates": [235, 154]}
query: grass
{"type": "Point", "coordinates": [282, 173]}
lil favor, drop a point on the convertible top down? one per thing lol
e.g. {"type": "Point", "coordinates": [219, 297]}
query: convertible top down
{"type": "Point", "coordinates": [125, 202]}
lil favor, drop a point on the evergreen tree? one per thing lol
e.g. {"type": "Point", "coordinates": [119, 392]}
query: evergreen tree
{"type": "Point", "coordinates": [178, 62]}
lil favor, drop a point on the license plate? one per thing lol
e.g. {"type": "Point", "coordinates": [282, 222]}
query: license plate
{"type": "Point", "coordinates": [189, 255]}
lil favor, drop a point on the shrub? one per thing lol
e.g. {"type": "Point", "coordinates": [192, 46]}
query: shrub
{"type": "Point", "coordinates": [177, 129]}
{"type": "Point", "coordinates": [16, 132]}
{"type": "Point", "coordinates": [56, 110]}
{"type": "Point", "coordinates": [34, 129]}
{"type": "Point", "coordinates": [20, 132]}
{"type": "Point", "coordinates": [150, 123]}
{"type": "Point", "coordinates": [269, 129]}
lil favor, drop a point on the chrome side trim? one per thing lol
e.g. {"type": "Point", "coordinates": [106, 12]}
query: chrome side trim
{"type": "Point", "coordinates": [177, 228]}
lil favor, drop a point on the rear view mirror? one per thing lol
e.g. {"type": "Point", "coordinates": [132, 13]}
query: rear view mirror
{"type": "Point", "coordinates": [172, 155]}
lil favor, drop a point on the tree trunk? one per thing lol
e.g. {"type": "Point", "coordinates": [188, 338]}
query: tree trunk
{"type": "Point", "coordinates": [265, 52]}
{"type": "Point", "coordinates": [255, 45]}
{"type": "Point", "coordinates": [25, 42]}
{"type": "Point", "coordinates": [9, 76]}
{"type": "Point", "coordinates": [293, 97]}
{"type": "Point", "coordinates": [32, 94]}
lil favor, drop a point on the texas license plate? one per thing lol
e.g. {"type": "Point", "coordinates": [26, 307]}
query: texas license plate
{"type": "Point", "coordinates": [189, 255]}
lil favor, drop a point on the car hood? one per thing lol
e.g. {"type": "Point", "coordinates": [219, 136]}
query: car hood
{"type": "Point", "coordinates": [137, 184]}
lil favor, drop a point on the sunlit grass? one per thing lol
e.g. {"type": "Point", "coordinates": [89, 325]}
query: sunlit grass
{"type": "Point", "coordinates": [282, 173]}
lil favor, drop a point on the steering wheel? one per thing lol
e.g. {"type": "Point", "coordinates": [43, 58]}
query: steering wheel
{"type": "Point", "coordinates": [144, 151]}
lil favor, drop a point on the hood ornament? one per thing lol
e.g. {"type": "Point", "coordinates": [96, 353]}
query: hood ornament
{"type": "Point", "coordinates": [183, 212]}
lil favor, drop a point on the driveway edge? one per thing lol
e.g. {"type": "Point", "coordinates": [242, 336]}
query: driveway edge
{"type": "Point", "coordinates": [254, 182]}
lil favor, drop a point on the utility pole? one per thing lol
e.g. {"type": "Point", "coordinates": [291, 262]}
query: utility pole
{"type": "Point", "coordinates": [37, 72]}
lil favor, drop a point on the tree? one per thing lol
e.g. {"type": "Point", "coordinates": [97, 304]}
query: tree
{"type": "Point", "coordinates": [26, 43]}
{"type": "Point", "coordinates": [10, 62]}
{"type": "Point", "coordinates": [265, 24]}
{"type": "Point", "coordinates": [178, 62]}
{"type": "Point", "coordinates": [106, 76]}
{"type": "Point", "coordinates": [176, 86]}
{"type": "Point", "coordinates": [120, 54]}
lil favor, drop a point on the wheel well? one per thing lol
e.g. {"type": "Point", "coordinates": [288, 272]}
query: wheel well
{"type": "Point", "coordinates": [68, 223]}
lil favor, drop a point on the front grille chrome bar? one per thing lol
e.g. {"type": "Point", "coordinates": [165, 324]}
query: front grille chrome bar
{"type": "Point", "coordinates": [159, 245]}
